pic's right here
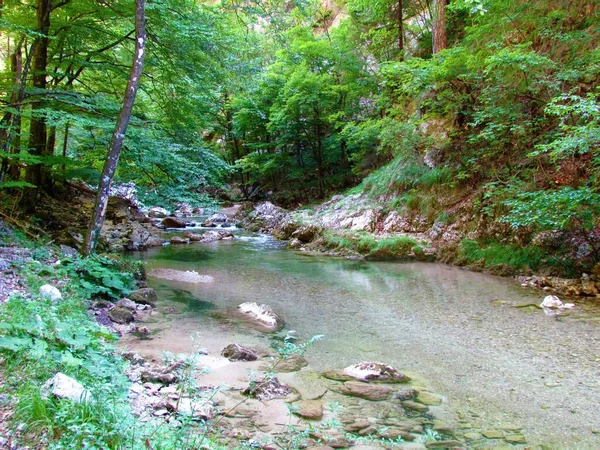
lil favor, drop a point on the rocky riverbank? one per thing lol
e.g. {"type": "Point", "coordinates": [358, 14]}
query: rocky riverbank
{"type": "Point", "coordinates": [351, 227]}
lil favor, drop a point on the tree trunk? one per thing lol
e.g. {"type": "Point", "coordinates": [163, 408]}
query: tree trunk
{"type": "Point", "coordinates": [116, 142]}
{"type": "Point", "coordinates": [440, 37]}
{"type": "Point", "coordinates": [37, 129]}
{"type": "Point", "coordinates": [65, 145]}
{"type": "Point", "coordinates": [400, 31]}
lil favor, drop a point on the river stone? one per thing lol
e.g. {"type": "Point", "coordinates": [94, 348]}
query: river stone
{"type": "Point", "coordinates": [309, 409]}
{"type": "Point", "coordinates": [218, 217]}
{"type": "Point", "coordinates": [406, 394]}
{"type": "Point", "coordinates": [267, 389]}
{"type": "Point", "coordinates": [200, 410]}
{"type": "Point", "coordinates": [157, 212]}
{"type": "Point", "coordinates": [179, 240]}
{"type": "Point", "coordinates": [356, 426]}
{"type": "Point", "coordinates": [144, 296]}
{"type": "Point", "coordinates": [493, 434]}
{"type": "Point", "coordinates": [373, 372]}
{"type": "Point", "coordinates": [261, 314]}
{"type": "Point", "coordinates": [515, 438]}
{"type": "Point", "coordinates": [415, 406]}
{"type": "Point", "coordinates": [236, 352]}
{"type": "Point", "coordinates": [292, 363]}
{"type": "Point", "coordinates": [127, 303]}
{"type": "Point", "coordinates": [364, 390]}
{"type": "Point", "coordinates": [173, 222]}
{"type": "Point", "coordinates": [121, 315]}
{"type": "Point", "coordinates": [445, 444]}
{"type": "Point", "coordinates": [429, 399]}
{"type": "Point", "coordinates": [194, 237]}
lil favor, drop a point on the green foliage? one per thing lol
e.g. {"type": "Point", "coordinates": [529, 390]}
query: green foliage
{"type": "Point", "coordinates": [561, 209]}
{"type": "Point", "coordinates": [92, 276]}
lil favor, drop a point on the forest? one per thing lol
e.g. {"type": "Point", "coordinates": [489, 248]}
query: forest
{"type": "Point", "coordinates": [457, 131]}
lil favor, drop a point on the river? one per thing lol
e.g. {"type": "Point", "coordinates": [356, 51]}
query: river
{"type": "Point", "coordinates": [498, 366]}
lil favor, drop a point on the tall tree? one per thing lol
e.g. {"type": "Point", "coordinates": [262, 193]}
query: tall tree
{"type": "Point", "coordinates": [118, 136]}
{"type": "Point", "coordinates": [440, 35]}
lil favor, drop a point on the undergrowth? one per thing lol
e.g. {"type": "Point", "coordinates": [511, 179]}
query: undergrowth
{"type": "Point", "coordinates": [390, 248]}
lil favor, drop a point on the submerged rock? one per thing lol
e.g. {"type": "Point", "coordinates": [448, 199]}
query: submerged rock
{"type": "Point", "coordinates": [186, 276]}
{"type": "Point", "coordinates": [262, 315]}
{"type": "Point", "coordinates": [63, 386]}
{"type": "Point", "coordinates": [364, 390]}
{"type": "Point", "coordinates": [237, 352]}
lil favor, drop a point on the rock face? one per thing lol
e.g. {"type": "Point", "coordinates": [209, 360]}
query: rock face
{"type": "Point", "coordinates": [265, 217]}
{"type": "Point", "coordinates": [63, 386]}
{"type": "Point", "coordinates": [261, 314]}
{"type": "Point", "coordinates": [143, 236]}
{"type": "Point", "coordinates": [144, 296]}
{"type": "Point", "coordinates": [49, 292]}
{"type": "Point", "coordinates": [173, 222]}
{"type": "Point", "coordinates": [236, 352]}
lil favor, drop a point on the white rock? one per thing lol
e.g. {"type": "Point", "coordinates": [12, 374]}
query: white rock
{"type": "Point", "coordinates": [202, 409]}
{"type": "Point", "coordinates": [261, 313]}
{"type": "Point", "coordinates": [50, 292]}
{"type": "Point", "coordinates": [553, 302]}
{"type": "Point", "coordinates": [63, 386]}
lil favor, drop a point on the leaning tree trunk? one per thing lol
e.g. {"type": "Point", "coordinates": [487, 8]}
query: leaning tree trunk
{"type": "Point", "coordinates": [400, 19]}
{"type": "Point", "coordinates": [116, 142]}
{"type": "Point", "coordinates": [440, 37]}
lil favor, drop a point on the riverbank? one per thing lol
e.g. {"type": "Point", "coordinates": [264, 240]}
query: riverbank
{"type": "Point", "coordinates": [352, 226]}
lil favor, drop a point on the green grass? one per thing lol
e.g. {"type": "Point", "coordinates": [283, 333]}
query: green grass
{"type": "Point", "coordinates": [397, 247]}
{"type": "Point", "coordinates": [494, 254]}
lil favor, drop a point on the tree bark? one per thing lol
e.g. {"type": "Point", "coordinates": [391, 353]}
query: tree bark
{"type": "Point", "coordinates": [116, 142]}
{"type": "Point", "coordinates": [37, 129]}
{"type": "Point", "coordinates": [400, 31]}
{"type": "Point", "coordinates": [440, 37]}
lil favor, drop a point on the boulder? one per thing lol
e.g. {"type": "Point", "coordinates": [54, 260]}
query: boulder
{"type": "Point", "coordinates": [49, 292]}
{"type": "Point", "coordinates": [121, 315]}
{"type": "Point", "coordinates": [179, 240]}
{"type": "Point", "coordinates": [173, 222]}
{"type": "Point", "coordinates": [236, 352]}
{"type": "Point", "coordinates": [308, 409]}
{"type": "Point", "coordinates": [127, 303]}
{"type": "Point", "coordinates": [142, 236]}
{"type": "Point", "coordinates": [553, 302]}
{"type": "Point", "coordinates": [306, 233]}
{"type": "Point", "coordinates": [262, 315]}
{"type": "Point", "coordinates": [267, 389]}
{"type": "Point", "coordinates": [193, 236]}
{"type": "Point", "coordinates": [144, 296]}
{"type": "Point", "coordinates": [157, 212]}
{"type": "Point", "coordinates": [218, 218]}
{"type": "Point", "coordinates": [63, 386]}
{"type": "Point", "coordinates": [373, 372]}
{"type": "Point", "coordinates": [364, 390]}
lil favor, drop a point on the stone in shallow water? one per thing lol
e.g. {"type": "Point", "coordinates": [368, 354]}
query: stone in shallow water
{"type": "Point", "coordinates": [237, 352]}
{"type": "Point", "coordinates": [369, 372]}
{"type": "Point", "coordinates": [415, 406]}
{"type": "Point", "coordinates": [429, 399]}
{"type": "Point", "coordinates": [515, 438]}
{"type": "Point", "coordinates": [262, 314]}
{"type": "Point", "coordinates": [364, 390]}
{"type": "Point", "coordinates": [309, 409]}
{"type": "Point", "coordinates": [185, 276]}
{"type": "Point", "coordinates": [493, 434]}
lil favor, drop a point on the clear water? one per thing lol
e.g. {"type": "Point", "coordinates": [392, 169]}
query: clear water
{"type": "Point", "coordinates": [457, 331]}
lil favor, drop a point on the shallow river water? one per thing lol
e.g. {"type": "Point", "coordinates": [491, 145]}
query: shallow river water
{"type": "Point", "coordinates": [459, 333]}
